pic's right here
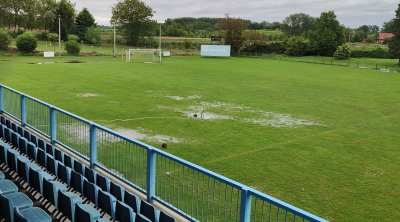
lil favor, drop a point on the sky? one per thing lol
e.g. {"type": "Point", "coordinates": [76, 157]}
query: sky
{"type": "Point", "coordinates": [351, 13]}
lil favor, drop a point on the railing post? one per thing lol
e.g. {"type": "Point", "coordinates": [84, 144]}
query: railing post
{"type": "Point", "coordinates": [53, 125]}
{"type": "Point", "coordinates": [93, 145]}
{"type": "Point", "coordinates": [23, 110]}
{"type": "Point", "coordinates": [1, 99]}
{"type": "Point", "coordinates": [151, 174]}
{"type": "Point", "coordinates": [245, 205]}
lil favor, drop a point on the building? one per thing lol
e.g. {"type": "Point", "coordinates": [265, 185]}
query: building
{"type": "Point", "coordinates": [384, 35]}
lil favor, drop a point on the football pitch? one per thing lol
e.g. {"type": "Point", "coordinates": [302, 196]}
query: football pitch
{"type": "Point", "coordinates": [323, 138]}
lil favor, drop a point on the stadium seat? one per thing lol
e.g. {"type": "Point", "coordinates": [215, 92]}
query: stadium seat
{"type": "Point", "coordinates": [49, 149]}
{"type": "Point", "coordinates": [2, 120]}
{"type": "Point", "coordinates": [12, 159]}
{"type": "Point", "coordinates": [27, 135]}
{"type": "Point", "coordinates": [33, 214]}
{"type": "Point", "coordinates": [68, 161]}
{"type": "Point", "coordinates": [3, 154]}
{"type": "Point", "coordinates": [148, 211]}
{"type": "Point", "coordinates": [36, 179]}
{"type": "Point", "coordinates": [23, 145]}
{"type": "Point", "coordinates": [34, 139]}
{"type": "Point", "coordinates": [15, 139]}
{"type": "Point", "coordinates": [1, 131]}
{"type": "Point", "coordinates": [10, 202]}
{"type": "Point", "coordinates": [7, 135]}
{"type": "Point", "coordinates": [8, 123]}
{"type": "Point", "coordinates": [106, 202]}
{"type": "Point", "coordinates": [14, 127]}
{"type": "Point", "coordinates": [132, 201]}
{"type": "Point", "coordinates": [90, 174]}
{"type": "Point", "coordinates": [50, 190]}
{"type": "Point", "coordinates": [76, 181]}
{"type": "Point", "coordinates": [165, 218]}
{"type": "Point", "coordinates": [103, 182]}
{"type": "Point", "coordinates": [41, 144]}
{"type": "Point", "coordinates": [2, 176]}
{"type": "Point", "coordinates": [7, 186]}
{"type": "Point", "coordinates": [90, 191]}
{"type": "Point", "coordinates": [51, 164]}
{"type": "Point", "coordinates": [116, 190]}
{"type": "Point", "coordinates": [58, 155]}
{"type": "Point", "coordinates": [20, 131]}
{"type": "Point", "coordinates": [142, 218]}
{"type": "Point", "coordinates": [124, 213]}
{"type": "Point", "coordinates": [66, 202]}
{"type": "Point", "coordinates": [78, 167]}
{"type": "Point", "coordinates": [41, 157]}
{"type": "Point", "coordinates": [86, 213]}
{"type": "Point", "coordinates": [22, 167]}
{"type": "Point", "coordinates": [32, 151]}
{"type": "Point", "coordinates": [63, 173]}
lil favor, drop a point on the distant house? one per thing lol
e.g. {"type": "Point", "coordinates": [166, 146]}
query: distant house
{"type": "Point", "coordinates": [384, 35]}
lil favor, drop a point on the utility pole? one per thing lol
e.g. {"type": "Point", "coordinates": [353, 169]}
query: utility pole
{"type": "Point", "coordinates": [59, 36]}
{"type": "Point", "coordinates": [115, 49]}
{"type": "Point", "coordinates": [159, 43]}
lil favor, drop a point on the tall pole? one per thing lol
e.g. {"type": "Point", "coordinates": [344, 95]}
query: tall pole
{"type": "Point", "coordinates": [159, 43]}
{"type": "Point", "coordinates": [59, 36]}
{"type": "Point", "coordinates": [115, 49]}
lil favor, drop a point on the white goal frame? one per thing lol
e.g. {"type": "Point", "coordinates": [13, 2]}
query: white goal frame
{"type": "Point", "coordinates": [130, 54]}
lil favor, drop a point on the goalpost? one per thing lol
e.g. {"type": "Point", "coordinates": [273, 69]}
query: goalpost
{"type": "Point", "coordinates": [143, 55]}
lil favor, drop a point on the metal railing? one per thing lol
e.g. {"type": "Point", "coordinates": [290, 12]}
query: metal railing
{"type": "Point", "coordinates": [192, 191]}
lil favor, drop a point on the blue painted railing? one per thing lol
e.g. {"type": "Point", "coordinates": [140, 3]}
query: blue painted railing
{"type": "Point", "coordinates": [192, 191]}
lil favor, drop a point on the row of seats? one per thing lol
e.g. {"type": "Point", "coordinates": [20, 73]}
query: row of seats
{"type": "Point", "coordinates": [17, 206]}
{"type": "Point", "coordinates": [57, 173]}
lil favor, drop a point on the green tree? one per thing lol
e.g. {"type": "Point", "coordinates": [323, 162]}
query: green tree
{"type": "Point", "coordinates": [66, 11]}
{"type": "Point", "coordinates": [394, 43]}
{"type": "Point", "coordinates": [389, 26]}
{"type": "Point", "coordinates": [72, 46]}
{"type": "Point", "coordinates": [83, 21]}
{"type": "Point", "coordinates": [232, 30]}
{"type": "Point", "coordinates": [175, 29]}
{"type": "Point", "coordinates": [26, 42]}
{"type": "Point", "coordinates": [298, 24]}
{"type": "Point", "coordinates": [92, 35]}
{"type": "Point", "coordinates": [47, 13]}
{"type": "Point", "coordinates": [327, 34]}
{"type": "Point", "coordinates": [297, 46]}
{"type": "Point", "coordinates": [134, 17]}
{"type": "Point", "coordinates": [5, 39]}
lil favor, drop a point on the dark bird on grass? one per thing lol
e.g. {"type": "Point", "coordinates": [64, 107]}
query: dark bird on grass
{"type": "Point", "coordinates": [164, 146]}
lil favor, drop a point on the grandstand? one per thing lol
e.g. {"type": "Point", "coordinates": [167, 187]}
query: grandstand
{"type": "Point", "coordinates": [56, 166]}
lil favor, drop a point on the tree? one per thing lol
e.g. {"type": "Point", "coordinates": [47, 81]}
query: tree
{"type": "Point", "coordinates": [92, 35]}
{"type": "Point", "coordinates": [72, 46]}
{"type": "Point", "coordinates": [343, 52]}
{"type": "Point", "coordinates": [134, 17]}
{"type": "Point", "coordinates": [83, 21]}
{"type": "Point", "coordinates": [298, 24]}
{"type": "Point", "coordinates": [394, 43]}
{"type": "Point", "coordinates": [47, 11]}
{"type": "Point", "coordinates": [66, 11]}
{"type": "Point", "coordinates": [175, 29]}
{"type": "Point", "coordinates": [296, 46]}
{"type": "Point", "coordinates": [232, 29]}
{"type": "Point", "coordinates": [389, 26]}
{"type": "Point", "coordinates": [26, 42]}
{"type": "Point", "coordinates": [5, 39]}
{"type": "Point", "coordinates": [327, 34]}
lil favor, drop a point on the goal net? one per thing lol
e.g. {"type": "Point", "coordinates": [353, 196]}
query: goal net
{"type": "Point", "coordinates": [143, 55]}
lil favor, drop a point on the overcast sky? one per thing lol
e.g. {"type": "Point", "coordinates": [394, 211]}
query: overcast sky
{"type": "Point", "coordinates": [352, 13]}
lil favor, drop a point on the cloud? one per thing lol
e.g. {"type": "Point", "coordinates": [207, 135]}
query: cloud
{"type": "Point", "coordinates": [351, 13]}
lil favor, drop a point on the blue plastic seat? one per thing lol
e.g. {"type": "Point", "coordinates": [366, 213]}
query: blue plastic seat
{"type": "Point", "coordinates": [23, 145]}
{"type": "Point", "coordinates": [32, 151]}
{"type": "Point", "coordinates": [106, 202]}
{"type": "Point", "coordinates": [90, 191]}
{"type": "Point", "coordinates": [165, 217]}
{"type": "Point", "coordinates": [3, 154]}
{"type": "Point", "coordinates": [142, 218]}
{"type": "Point", "coordinates": [34, 139]}
{"type": "Point", "coordinates": [66, 202]}
{"type": "Point", "coordinates": [2, 120]}
{"type": "Point", "coordinates": [36, 178]}
{"type": "Point", "coordinates": [148, 211]}
{"type": "Point", "coordinates": [15, 139]}
{"type": "Point", "coordinates": [41, 144]}
{"type": "Point", "coordinates": [7, 186]}
{"type": "Point", "coordinates": [117, 191]}
{"type": "Point", "coordinates": [68, 161]}
{"type": "Point", "coordinates": [90, 174]}
{"type": "Point", "coordinates": [34, 214]}
{"type": "Point", "coordinates": [49, 149]}
{"type": "Point", "coordinates": [1, 131]}
{"type": "Point", "coordinates": [14, 127]}
{"type": "Point", "coordinates": [20, 131]}
{"type": "Point", "coordinates": [7, 134]}
{"type": "Point", "coordinates": [124, 212]}
{"type": "Point", "coordinates": [63, 173]}
{"type": "Point", "coordinates": [8, 123]}
{"type": "Point", "coordinates": [12, 159]}
{"type": "Point", "coordinates": [41, 157]}
{"type": "Point", "coordinates": [78, 167]}
{"type": "Point", "coordinates": [58, 155]}
{"type": "Point", "coordinates": [103, 182]}
{"type": "Point", "coordinates": [77, 181]}
{"type": "Point", "coordinates": [10, 202]}
{"type": "Point", "coordinates": [27, 135]}
{"type": "Point", "coordinates": [86, 213]}
{"type": "Point", "coordinates": [132, 201]}
{"type": "Point", "coordinates": [22, 167]}
{"type": "Point", "coordinates": [50, 190]}
{"type": "Point", "coordinates": [2, 176]}
{"type": "Point", "coordinates": [51, 164]}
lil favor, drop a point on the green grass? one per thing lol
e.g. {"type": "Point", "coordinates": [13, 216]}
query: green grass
{"type": "Point", "coordinates": [344, 169]}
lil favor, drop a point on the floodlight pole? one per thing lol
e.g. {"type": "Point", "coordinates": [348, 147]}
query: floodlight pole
{"type": "Point", "coordinates": [114, 51]}
{"type": "Point", "coordinates": [159, 44]}
{"type": "Point", "coordinates": [59, 36]}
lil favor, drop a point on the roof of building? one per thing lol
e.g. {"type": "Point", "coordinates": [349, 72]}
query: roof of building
{"type": "Point", "coordinates": [385, 35]}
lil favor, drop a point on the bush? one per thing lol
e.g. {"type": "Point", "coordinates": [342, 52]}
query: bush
{"type": "Point", "coordinates": [5, 39]}
{"type": "Point", "coordinates": [343, 52]}
{"type": "Point", "coordinates": [27, 42]}
{"type": "Point", "coordinates": [375, 53]}
{"type": "Point", "coordinates": [92, 35]}
{"type": "Point", "coordinates": [72, 46]}
{"type": "Point", "coordinates": [297, 46]}
{"type": "Point", "coordinates": [266, 48]}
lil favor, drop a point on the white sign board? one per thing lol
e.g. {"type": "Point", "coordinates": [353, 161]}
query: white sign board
{"type": "Point", "coordinates": [166, 54]}
{"type": "Point", "coordinates": [48, 54]}
{"type": "Point", "coordinates": [216, 50]}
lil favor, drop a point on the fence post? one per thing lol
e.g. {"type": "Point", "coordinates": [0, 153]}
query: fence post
{"type": "Point", "coordinates": [53, 125]}
{"type": "Point", "coordinates": [151, 174]}
{"type": "Point", "coordinates": [23, 110]}
{"type": "Point", "coordinates": [93, 145]}
{"type": "Point", "coordinates": [245, 205]}
{"type": "Point", "coordinates": [1, 99]}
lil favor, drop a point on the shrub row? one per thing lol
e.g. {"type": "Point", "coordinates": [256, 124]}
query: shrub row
{"type": "Point", "coordinates": [375, 53]}
{"type": "Point", "coordinates": [265, 48]}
